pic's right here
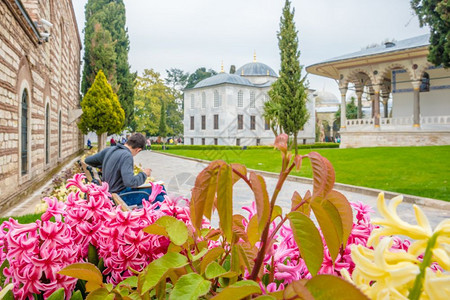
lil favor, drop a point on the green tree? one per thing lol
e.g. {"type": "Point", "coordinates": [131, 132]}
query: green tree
{"type": "Point", "coordinates": [272, 111]}
{"type": "Point", "coordinates": [436, 14]}
{"type": "Point", "coordinates": [111, 15]}
{"type": "Point", "coordinates": [150, 92]}
{"type": "Point", "coordinates": [101, 57]}
{"type": "Point", "coordinates": [199, 75]}
{"type": "Point", "coordinates": [290, 89]}
{"type": "Point", "coordinates": [101, 109]}
{"type": "Point", "coordinates": [162, 132]}
{"type": "Point", "coordinates": [351, 111]}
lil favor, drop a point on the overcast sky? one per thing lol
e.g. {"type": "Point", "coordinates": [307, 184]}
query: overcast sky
{"type": "Point", "coordinates": [202, 33]}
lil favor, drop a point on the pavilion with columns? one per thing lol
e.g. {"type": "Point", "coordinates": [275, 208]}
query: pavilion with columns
{"type": "Point", "coordinates": [398, 72]}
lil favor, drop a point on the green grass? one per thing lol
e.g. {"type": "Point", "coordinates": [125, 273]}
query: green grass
{"type": "Point", "coordinates": [25, 219]}
{"type": "Point", "coordinates": [420, 171]}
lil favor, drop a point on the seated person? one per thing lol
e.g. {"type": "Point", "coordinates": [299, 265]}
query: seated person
{"type": "Point", "coordinates": [117, 165]}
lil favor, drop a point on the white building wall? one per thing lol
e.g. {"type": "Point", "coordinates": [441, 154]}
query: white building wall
{"type": "Point", "coordinates": [228, 111]}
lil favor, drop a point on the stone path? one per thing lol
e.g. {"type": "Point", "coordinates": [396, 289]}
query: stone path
{"type": "Point", "coordinates": [179, 177]}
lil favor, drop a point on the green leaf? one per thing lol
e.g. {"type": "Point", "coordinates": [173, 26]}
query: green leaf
{"type": "Point", "coordinates": [130, 282]}
{"type": "Point", "coordinates": [92, 255]}
{"type": "Point", "coordinates": [344, 209]}
{"type": "Point", "coordinates": [239, 228]}
{"type": "Point", "coordinates": [190, 286]}
{"type": "Point", "coordinates": [297, 199]}
{"type": "Point", "coordinates": [308, 240]}
{"type": "Point", "coordinates": [265, 297]}
{"type": "Point", "coordinates": [277, 212]}
{"type": "Point", "coordinates": [247, 254]}
{"type": "Point", "coordinates": [215, 270]}
{"type": "Point", "coordinates": [200, 254]}
{"type": "Point", "coordinates": [6, 292]}
{"type": "Point", "coordinates": [156, 229]}
{"type": "Point", "coordinates": [330, 223]}
{"type": "Point", "coordinates": [100, 294]}
{"type": "Point", "coordinates": [253, 232]}
{"type": "Point", "coordinates": [57, 295]}
{"type": "Point", "coordinates": [4, 265]}
{"type": "Point", "coordinates": [323, 174]}
{"type": "Point", "coordinates": [175, 228]}
{"type": "Point", "coordinates": [225, 201]}
{"type": "Point", "coordinates": [239, 290]}
{"type": "Point", "coordinates": [84, 271]}
{"type": "Point", "coordinates": [77, 296]}
{"type": "Point", "coordinates": [297, 289]}
{"type": "Point", "coordinates": [261, 199]}
{"type": "Point", "coordinates": [324, 287]}
{"type": "Point", "coordinates": [211, 256]}
{"type": "Point", "coordinates": [158, 268]}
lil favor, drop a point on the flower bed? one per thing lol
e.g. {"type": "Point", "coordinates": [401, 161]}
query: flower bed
{"type": "Point", "coordinates": [84, 247]}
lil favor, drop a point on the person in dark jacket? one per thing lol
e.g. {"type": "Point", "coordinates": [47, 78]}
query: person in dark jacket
{"type": "Point", "coordinates": [117, 167]}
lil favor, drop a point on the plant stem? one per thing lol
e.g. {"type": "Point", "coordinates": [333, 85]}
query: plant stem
{"type": "Point", "coordinates": [415, 292]}
{"type": "Point", "coordinates": [264, 240]}
{"type": "Point", "coordinates": [243, 177]}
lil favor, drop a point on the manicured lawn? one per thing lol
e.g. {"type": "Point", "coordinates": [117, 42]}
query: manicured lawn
{"type": "Point", "coordinates": [25, 219]}
{"type": "Point", "coordinates": [421, 171]}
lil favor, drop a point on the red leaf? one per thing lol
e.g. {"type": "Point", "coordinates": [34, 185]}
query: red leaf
{"type": "Point", "coordinates": [261, 199]}
{"type": "Point", "coordinates": [323, 174]}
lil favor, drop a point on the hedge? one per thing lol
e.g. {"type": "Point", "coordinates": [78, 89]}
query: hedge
{"type": "Point", "coordinates": [224, 147]}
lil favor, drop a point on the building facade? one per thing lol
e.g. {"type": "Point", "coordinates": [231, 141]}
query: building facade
{"type": "Point", "coordinates": [227, 109]}
{"type": "Point", "coordinates": [397, 73]}
{"type": "Point", "coordinates": [39, 91]}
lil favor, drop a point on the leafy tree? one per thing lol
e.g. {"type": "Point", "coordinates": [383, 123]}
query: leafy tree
{"type": "Point", "coordinates": [272, 111]}
{"type": "Point", "coordinates": [199, 75]}
{"type": "Point", "coordinates": [290, 89]}
{"type": "Point", "coordinates": [436, 14]}
{"type": "Point", "coordinates": [162, 121]}
{"type": "Point", "coordinates": [102, 57]}
{"type": "Point", "coordinates": [101, 109]}
{"type": "Point", "coordinates": [351, 111]}
{"type": "Point", "coordinates": [150, 93]}
{"type": "Point", "coordinates": [111, 15]}
{"type": "Point", "coordinates": [176, 78]}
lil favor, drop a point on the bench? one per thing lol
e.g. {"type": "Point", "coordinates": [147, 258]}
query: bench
{"type": "Point", "coordinates": [119, 201]}
{"type": "Point", "coordinates": [91, 173]}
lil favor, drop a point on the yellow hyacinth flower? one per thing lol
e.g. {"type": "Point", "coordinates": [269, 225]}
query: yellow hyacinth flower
{"type": "Point", "coordinates": [382, 274]}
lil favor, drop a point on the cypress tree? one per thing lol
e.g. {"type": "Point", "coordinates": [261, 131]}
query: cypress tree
{"type": "Point", "coordinates": [111, 15]}
{"type": "Point", "coordinates": [290, 90]}
{"type": "Point", "coordinates": [101, 109]}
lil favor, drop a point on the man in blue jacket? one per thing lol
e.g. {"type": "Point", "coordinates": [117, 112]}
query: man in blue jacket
{"type": "Point", "coordinates": [118, 170]}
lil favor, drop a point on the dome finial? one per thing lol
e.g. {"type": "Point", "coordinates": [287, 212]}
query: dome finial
{"type": "Point", "coordinates": [221, 68]}
{"type": "Point", "coordinates": [254, 55]}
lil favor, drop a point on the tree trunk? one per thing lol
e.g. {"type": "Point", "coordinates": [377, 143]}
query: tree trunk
{"type": "Point", "coordinates": [295, 143]}
{"type": "Point", "coordinates": [101, 141]}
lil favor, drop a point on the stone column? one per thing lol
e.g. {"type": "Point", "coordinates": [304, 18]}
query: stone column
{"type": "Point", "coordinates": [359, 95]}
{"type": "Point", "coordinates": [343, 107]}
{"type": "Point", "coordinates": [416, 118]}
{"type": "Point", "coordinates": [385, 105]}
{"type": "Point", "coordinates": [376, 105]}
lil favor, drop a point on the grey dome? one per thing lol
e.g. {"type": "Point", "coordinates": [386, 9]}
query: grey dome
{"type": "Point", "coordinates": [256, 69]}
{"type": "Point", "coordinates": [222, 78]}
{"type": "Point", "coordinates": [327, 98]}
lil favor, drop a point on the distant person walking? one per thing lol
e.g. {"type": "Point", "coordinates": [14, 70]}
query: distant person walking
{"type": "Point", "coordinates": [112, 142]}
{"type": "Point", "coordinates": [149, 144]}
{"type": "Point", "coordinates": [89, 144]}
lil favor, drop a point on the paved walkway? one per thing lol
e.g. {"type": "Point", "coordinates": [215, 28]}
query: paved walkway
{"type": "Point", "coordinates": [179, 177]}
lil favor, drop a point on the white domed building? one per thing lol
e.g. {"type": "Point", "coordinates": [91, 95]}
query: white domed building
{"type": "Point", "coordinates": [227, 109]}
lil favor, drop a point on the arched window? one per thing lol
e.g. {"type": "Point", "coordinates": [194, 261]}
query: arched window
{"type": "Point", "coordinates": [24, 132]}
{"type": "Point", "coordinates": [47, 133]}
{"type": "Point", "coordinates": [240, 102]}
{"type": "Point", "coordinates": [252, 99]}
{"type": "Point", "coordinates": [192, 101]}
{"type": "Point", "coordinates": [59, 134]}
{"type": "Point", "coordinates": [216, 99]}
{"type": "Point", "coordinates": [203, 100]}
{"type": "Point", "coordinates": [425, 85]}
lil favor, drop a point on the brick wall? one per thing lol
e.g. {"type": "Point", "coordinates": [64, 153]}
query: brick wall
{"type": "Point", "coordinates": [49, 71]}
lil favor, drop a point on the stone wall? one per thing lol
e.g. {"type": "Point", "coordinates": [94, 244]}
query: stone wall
{"type": "Point", "coordinates": [49, 71]}
{"type": "Point", "coordinates": [394, 139]}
